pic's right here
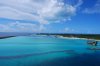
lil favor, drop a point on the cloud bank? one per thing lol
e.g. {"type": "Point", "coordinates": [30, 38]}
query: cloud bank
{"type": "Point", "coordinates": [42, 11]}
{"type": "Point", "coordinates": [20, 27]}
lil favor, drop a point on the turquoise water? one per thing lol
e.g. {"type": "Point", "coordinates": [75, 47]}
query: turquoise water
{"type": "Point", "coordinates": [47, 51]}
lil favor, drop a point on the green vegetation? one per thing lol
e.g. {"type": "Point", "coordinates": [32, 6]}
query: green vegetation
{"type": "Point", "coordinates": [88, 36]}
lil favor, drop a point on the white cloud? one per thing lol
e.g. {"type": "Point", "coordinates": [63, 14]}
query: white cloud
{"type": "Point", "coordinates": [80, 2]}
{"type": "Point", "coordinates": [19, 27]}
{"type": "Point", "coordinates": [94, 9]}
{"type": "Point", "coordinates": [42, 28]}
{"type": "Point", "coordinates": [42, 11]}
{"type": "Point", "coordinates": [68, 30]}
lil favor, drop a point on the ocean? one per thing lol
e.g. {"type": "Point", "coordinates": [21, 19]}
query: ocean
{"type": "Point", "coordinates": [47, 51]}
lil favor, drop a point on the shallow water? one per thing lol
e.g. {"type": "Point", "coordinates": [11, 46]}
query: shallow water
{"type": "Point", "coordinates": [47, 51]}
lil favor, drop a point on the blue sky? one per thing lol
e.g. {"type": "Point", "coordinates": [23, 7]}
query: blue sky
{"type": "Point", "coordinates": [50, 16]}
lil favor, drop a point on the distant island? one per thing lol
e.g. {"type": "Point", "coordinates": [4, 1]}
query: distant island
{"type": "Point", "coordinates": [3, 37]}
{"type": "Point", "coordinates": [87, 36]}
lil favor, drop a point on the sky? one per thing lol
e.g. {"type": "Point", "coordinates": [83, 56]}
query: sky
{"type": "Point", "coordinates": [50, 16]}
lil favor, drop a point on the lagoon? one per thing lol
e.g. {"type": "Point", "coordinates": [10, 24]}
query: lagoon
{"type": "Point", "coordinates": [47, 51]}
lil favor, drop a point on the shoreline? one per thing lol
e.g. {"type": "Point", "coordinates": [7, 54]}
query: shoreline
{"type": "Point", "coordinates": [4, 37]}
{"type": "Point", "coordinates": [77, 38]}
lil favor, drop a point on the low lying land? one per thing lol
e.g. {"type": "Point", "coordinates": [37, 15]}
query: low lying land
{"type": "Point", "coordinates": [3, 37]}
{"type": "Point", "coordinates": [87, 36]}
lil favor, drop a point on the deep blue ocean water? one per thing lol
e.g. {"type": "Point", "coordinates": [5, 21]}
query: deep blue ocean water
{"type": "Point", "coordinates": [47, 51]}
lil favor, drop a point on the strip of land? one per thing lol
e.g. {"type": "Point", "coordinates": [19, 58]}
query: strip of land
{"type": "Point", "coordinates": [85, 36]}
{"type": "Point", "coordinates": [3, 37]}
